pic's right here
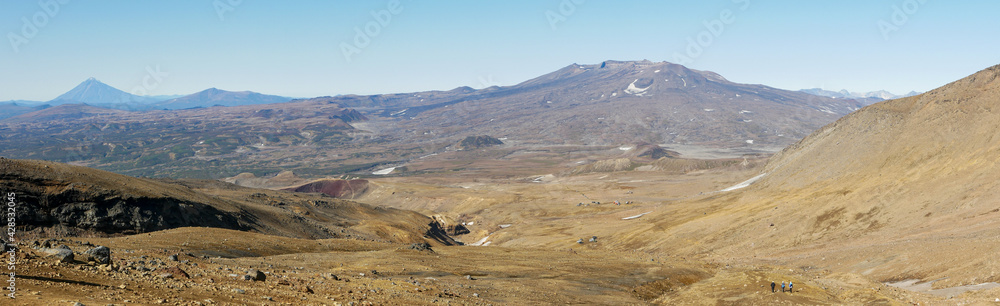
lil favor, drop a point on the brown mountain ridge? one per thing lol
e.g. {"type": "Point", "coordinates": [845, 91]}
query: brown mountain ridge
{"type": "Point", "coordinates": [902, 189]}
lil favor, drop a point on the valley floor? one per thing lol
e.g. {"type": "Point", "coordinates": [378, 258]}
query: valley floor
{"type": "Point", "coordinates": [537, 222]}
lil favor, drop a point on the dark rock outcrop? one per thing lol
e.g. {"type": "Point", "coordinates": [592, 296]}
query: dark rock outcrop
{"type": "Point", "coordinates": [477, 142]}
{"type": "Point", "coordinates": [422, 246]}
{"type": "Point", "coordinates": [53, 198]}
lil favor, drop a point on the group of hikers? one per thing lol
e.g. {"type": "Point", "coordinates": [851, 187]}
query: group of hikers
{"type": "Point", "coordinates": [782, 286]}
{"type": "Point", "coordinates": [618, 203]}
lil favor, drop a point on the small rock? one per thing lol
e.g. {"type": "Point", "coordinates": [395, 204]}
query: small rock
{"type": "Point", "coordinates": [172, 257]}
{"type": "Point", "coordinates": [4, 247]}
{"type": "Point", "coordinates": [77, 304]}
{"type": "Point", "coordinates": [593, 239]}
{"type": "Point", "coordinates": [256, 275]}
{"type": "Point", "coordinates": [175, 271]}
{"type": "Point", "coordinates": [423, 246]}
{"type": "Point", "coordinates": [122, 286]}
{"type": "Point", "coordinates": [240, 291]}
{"type": "Point", "coordinates": [306, 289]}
{"type": "Point", "coordinates": [469, 277]}
{"type": "Point", "coordinates": [165, 275]}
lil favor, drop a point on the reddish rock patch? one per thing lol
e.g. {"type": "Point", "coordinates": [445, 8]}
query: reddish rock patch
{"type": "Point", "coordinates": [343, 189]}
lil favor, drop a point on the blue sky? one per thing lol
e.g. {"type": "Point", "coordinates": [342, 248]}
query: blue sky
{"type": "Point", "coordinates": [294, 48]}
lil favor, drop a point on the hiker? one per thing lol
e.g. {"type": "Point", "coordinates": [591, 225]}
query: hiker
{"type": "Point", "coordinates": [782, 286]}
{"type": "Point", "coordinates": [772, 287]}
{"type": "Point", "coordinates": [790, 287]}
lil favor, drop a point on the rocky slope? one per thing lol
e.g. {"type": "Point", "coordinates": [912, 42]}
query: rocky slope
{"type": "Point", "coordinates": [59, 199]}
{"type": "Point", "coordinates": [891, 191]}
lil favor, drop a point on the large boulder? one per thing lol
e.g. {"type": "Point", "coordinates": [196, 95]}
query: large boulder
{"type": "Point", "coordinates": [100, 254]}
{"type": "Point", "coordinates": [62, 253]}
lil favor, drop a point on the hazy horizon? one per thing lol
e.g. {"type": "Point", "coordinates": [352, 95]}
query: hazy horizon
{"type": "Point", "coordinates": [313, 48]}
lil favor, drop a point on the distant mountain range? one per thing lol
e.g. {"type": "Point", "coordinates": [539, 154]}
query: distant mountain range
{"type": "Point", "coordinates": [608, 103]}
{"type": "Point", "coordinates": [95, 93]}
{"type": "Point", "coordinates": [218, 97]}
{"type": "Point", "coordinates": [13, 108]}
{"type": "Point", "coordinates": [603, 104]}
{"type": "Point", "coordinates": [870, 97]}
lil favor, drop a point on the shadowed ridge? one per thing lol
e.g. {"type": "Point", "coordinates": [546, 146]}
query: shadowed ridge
{"type": "Point", "coordinates": [58, 199]}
